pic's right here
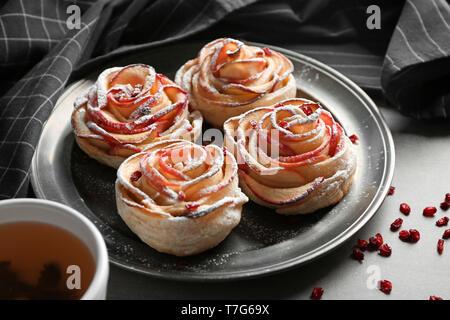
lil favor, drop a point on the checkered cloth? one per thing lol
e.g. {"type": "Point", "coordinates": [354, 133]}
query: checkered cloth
{"type": "Point", "coordinates": [416, 70]}
{"type": "Point", "coordinates": [408, 58]}
{"type": "Point", "coordinates": [38, 54]}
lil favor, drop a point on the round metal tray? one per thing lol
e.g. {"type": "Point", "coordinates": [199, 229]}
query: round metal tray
{"type": "Point", "coordinates": [264, 242]}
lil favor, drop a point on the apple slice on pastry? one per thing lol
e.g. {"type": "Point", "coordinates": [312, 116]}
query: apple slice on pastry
{"type": "Point", "coordinates": [293, 156]}
{"type": "Point", "coordinates": [127, 109]}
{"type": "Point", "coordinates": [228, 78]}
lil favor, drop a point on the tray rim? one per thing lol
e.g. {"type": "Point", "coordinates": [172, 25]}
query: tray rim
{"type": "Point", "coordinates": [369, 212]}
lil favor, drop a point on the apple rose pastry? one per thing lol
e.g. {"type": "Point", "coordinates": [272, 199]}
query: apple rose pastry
{"type": "Point", "coordinates": [292, 156]}
{"type": "Point", "coordinates": [179, 197]}
{"type": "Point", "coordinates": [229, 78]}
{"type": "Point", "coordinates": [127, 109]}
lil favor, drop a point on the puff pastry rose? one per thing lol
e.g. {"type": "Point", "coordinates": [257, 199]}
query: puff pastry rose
{"type": "Point", "coordinates": [127, 109]}
{"type": "Point", "coordinates": [179, 197]}
{"type": "Point", "coordinates": [229, 78]}
{"type": "Point", "coordinates": [292, 156]}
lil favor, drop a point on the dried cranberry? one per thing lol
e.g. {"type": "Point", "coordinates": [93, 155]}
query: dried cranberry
{"type": "Point", "coordinates": [445, 205]}
{"type": "Point", "coordinates": [136, 176]}
{"type": "Point", "coordinates": [440, 246]}
{"type": "Point", "coordinates": [435, 298]}
{"type": "Point", "coordinates": [385, 286]}
{"type": "Point", "coordinates": [391, 191]}
{"type": "Point", "coordinates": [429, 211]}
{"type": "Point", "coordinates": [447, 197]}
{"type": "Point", "coordinates": [405, 209]}
{"type": "Point", "coordinates": [354, 138]}
{"type": "Point", "coordinates": [446, 234]}
{"type": "Point", "coordinates": [414, 235]}
{"type": "Point", "coordinates": [442, 221]}
{"type": "Point", "coordinates": [385, 250]}
{"type": "Point", "coordinates": [357, 255]}
{"type": "Point", "coordinates": [362, 244]}
{"type": "Point", "coordinates": [317, 293]}
{"type": "Point", "coordinates": [396, 224]}
{"type": "Point", "coordinates": [375, 242]}
{"type": "Point", "coordinates": [379, 238]}
{"type": "Point", "coordinates": [404, 235]}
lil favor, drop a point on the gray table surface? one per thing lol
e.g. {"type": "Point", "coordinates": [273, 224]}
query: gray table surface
{"type": "Point", "coordinates": [422, 177]}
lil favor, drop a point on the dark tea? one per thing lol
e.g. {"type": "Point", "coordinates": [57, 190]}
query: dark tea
{"type": "Point", "coordinates": [41, 261]}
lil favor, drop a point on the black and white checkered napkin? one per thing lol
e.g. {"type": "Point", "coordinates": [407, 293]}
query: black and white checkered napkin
{"type": "Point", "coordinates": [408, 58]}
{"type": "Point", "coordinates": [37, 55]}
{"type": "Point", "coordinates": [416, 70]}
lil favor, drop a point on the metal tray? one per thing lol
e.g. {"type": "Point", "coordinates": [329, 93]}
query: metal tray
{"type": "Point", "coordinates": [264, 242]}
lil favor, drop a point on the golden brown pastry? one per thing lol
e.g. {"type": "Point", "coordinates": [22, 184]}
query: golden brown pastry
{"type": "Point", "coordinates": [127, 109]}
{"type": "Point", "coordinates": [293, 156]}
{"type": "Point", "coordinates": [179, 197]}
{"type": "Point", "coordinates": [229, 78]}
